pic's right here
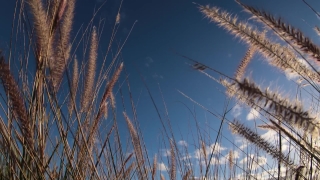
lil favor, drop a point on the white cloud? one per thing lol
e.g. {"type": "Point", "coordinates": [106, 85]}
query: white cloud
{"type": "Point", "coordinates": [235, 155]}
{"type": "Point", "coordinates": [224, 159]}
{"type": "Point", "coordinates": [239, 139]}
{"type": "Point", "coordinates": [199, 154]}
{"type": "Point", "coordinates": [162, 167]}
{"type": "Point", "coordinates": [200, 178]}
{"type": "Point", "coordinates": [253, 114]}
{"type": "Point", "coordinates": [292, 75]}
{"type": "Point", "coordinates": [241, 142]}
{"type": "Point", "coordinates": [254, 161]}
{"type": "Point", "coordinates": [243, 146]}
{"type": "Point", "coordinates": [165, 152]}
{"type": "Point", "coordinates": [267, 175]}
{"type": "Point", "coordinates": [236, 111]}
{"type": "Point", "coordinates": [270, 135]}
{"type": "Point", "coordinates": [285, 147]}
{"type": "Point", "coordinates": [186, 157]}
{"type": "Point", "coordinates": [183, 143]}
{"type": "Point", "coordinates": [212, 162]}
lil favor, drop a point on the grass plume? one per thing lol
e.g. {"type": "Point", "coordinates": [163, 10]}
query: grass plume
{"type": "Point", "coordinates": [137, 147]}
{"type": "Point", "coordinates": [18, 105]}
{"type": "Point", "coordinates": [282, 108]}
{"type": "Point", "coordinates": [237, 128]}
{"type": "Point", "coordinates": [277, 55]}
{"type": "Point", "coordinates": [244, 63]}
{"type": "Point", "coordinates": [285, 31]}
{"type": "Point", "coordinates": [86, 98]}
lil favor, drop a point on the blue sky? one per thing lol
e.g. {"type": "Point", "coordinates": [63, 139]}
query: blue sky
{"type": "Point", "coordinates": [177, 24]}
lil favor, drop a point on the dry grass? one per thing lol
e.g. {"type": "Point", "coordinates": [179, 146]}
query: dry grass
{"type": "Point", "coordinates": [51, 117]}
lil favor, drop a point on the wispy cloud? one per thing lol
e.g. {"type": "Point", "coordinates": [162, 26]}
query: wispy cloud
{"type": "Point", "coordinates": [236, 111]}
{"type": "Point", "coordinates": [199, 154]}
{"type": "Point", "coordinates": [200, 178]}
{"type": "Point", "coordinates": [162, 167]}
{"type": "Point", "coordinates": [225, 158]}
{"type": "Point", "coordinates": [241, 142]}
{"type": "Point", "coordinates": [222, 160]}
{"type": "Point", "coordinates": [243, 146]}
{"type": "Point", "coordinates": [183, 143]}
{"type": "Point", "coordinates": [186, 157]}
{"type": "Point", "coordinates": [267, 174]}
{"type": "Point", "coordinates": [270, 135]}
{"type": "Point", "coordinates": [253, 114]}
{"type": "Point", "coordinates": [255, 161]}
{"type": "Point", "coordinates": [165, 152]}
{"type": "Point", "coordinates": [292, 75]}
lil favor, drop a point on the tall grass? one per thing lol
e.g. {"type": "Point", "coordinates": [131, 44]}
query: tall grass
{"type": "Point", "coordinates": [289, 118]}
{"type": "Point", "coordinates": [53, 105]}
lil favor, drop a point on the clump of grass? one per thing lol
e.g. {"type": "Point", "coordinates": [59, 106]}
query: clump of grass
{"type": "Point", "coordinates": [288, 118]}
{"type": "Point", "coordinates": [43, 137]}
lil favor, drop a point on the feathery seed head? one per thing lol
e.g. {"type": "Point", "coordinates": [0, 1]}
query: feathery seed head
{"type": "Point", "coordinates": [238, 128]}
{"type": "Point", "coordinates": [118, 18]}
{"type": "Point", "coordinates": [277, 55]}
{"type": "Point", "coordinates": [287, 32]}
{"type": "Point", "coordinates": [230, 159]}
{"type": "Point", "coordinates": [74, 85]}
{"type": "Point", "coordinates": [91, 70]}
{"type": "Point", "coordinates": [173, 161]}
{"type": "Point", "coordinates": [244, 63]}
{"type": "Point", "coordinates": [271, 103]}
{"type": "Point", "coordinates": [18, 105]}
{"type": "Point", "coordinates": [154, 168]}
{"type": "Point", "coordinates": [61, 9]}
{"type": "Point", "coordinates": [136, 145]}
{"type": "Point", "coordinates": [267, 127]}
